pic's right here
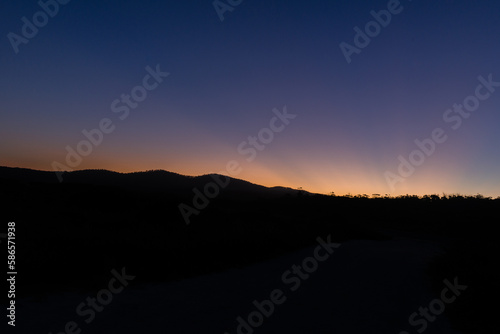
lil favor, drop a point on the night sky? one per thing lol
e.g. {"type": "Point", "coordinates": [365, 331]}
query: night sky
{"type": "Point", "coordinates": [352, 116]}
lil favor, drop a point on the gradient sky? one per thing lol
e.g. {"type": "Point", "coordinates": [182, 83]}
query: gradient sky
{"type": "Point", "coordinates": [353, 119]}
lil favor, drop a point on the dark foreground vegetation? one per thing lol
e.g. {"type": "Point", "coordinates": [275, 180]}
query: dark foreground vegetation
{"type": "Point", "coordinates": [71, 234]}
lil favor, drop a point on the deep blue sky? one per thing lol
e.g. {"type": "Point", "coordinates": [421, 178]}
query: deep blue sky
{"type": "Point", "coordinates": [353, 120]}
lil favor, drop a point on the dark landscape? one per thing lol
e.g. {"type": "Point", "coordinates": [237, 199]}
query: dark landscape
{"type": "Point", "coordinates": [133, 221]}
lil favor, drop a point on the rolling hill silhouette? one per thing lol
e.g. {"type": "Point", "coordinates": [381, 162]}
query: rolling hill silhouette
{"type": "Point", "coordinates": [96, 220]}
{"type": "Point", "coordinates": [154, 180]}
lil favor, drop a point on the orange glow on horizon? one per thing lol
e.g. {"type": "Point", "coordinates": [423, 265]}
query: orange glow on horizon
{"type": "Point", "coordinates": [341, 181]}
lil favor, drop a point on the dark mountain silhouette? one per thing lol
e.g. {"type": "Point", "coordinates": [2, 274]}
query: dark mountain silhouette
{"type": "Point", "coordinates": [96, 220]}
{"type": "Point", "coordinates": [154, 180]}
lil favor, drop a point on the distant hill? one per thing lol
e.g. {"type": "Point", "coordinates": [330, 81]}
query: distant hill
{"type": "Point", "coordinates": [97, 220]}
{"type": "Point", "coordinates": [155, 180]}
